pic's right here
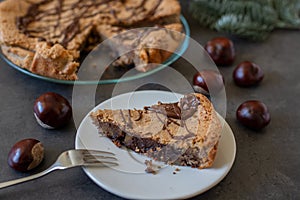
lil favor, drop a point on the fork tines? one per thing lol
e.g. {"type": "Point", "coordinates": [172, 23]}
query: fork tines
{"type": "Point", "coordinates": [96, 157]}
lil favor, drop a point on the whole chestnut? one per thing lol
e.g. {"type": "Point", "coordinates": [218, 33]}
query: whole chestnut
{"type": "Point", "coordinates": [253, 114]}
{"type": "Point", "coordinates": [221, 50]}
{"type": "Point", "coordinates": [247, 74]}
{"type": "Point", "coordinates": [52, 110]}
{"type": "Point", "coordinates": [206, 80]}
{"type": "Point", "coordinates": [26, 154]}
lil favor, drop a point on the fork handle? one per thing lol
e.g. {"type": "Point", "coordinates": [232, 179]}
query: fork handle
{"type": "Point", "coordinates": [28, 178]}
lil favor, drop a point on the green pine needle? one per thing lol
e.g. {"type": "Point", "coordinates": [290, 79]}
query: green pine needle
{"type": "Point", "coordinates": [252, 19]}
{"type": "Point", "coordinates": [243, 26]}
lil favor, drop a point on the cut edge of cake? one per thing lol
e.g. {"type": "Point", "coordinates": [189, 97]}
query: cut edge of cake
{"type": "Point", "coordinates": [163, 138]}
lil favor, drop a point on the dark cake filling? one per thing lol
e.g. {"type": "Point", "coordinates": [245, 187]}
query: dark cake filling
{"type": "Point", "coordinates": [121, 138]}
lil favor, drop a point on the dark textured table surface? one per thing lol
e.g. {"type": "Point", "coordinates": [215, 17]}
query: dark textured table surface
{"type": "Point", "coordinates": [267, 162]}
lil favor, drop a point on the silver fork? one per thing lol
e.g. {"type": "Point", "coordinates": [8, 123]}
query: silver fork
{"type": "Point", "coordinates": [72, 158]}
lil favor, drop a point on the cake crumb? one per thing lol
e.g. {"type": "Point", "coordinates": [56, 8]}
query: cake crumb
{"type": "Point", "coordinates": [176, 170]}
{"type": "Point", "coordinates": [150, 167]}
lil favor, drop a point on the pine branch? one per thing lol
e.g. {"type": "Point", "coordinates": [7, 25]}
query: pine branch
{"type": "Point", "coordinates": [253, 19]}
{"type": "Point", "coordinates": [243, 27]}
{"type": "Point", "coordinates": [288, 13]}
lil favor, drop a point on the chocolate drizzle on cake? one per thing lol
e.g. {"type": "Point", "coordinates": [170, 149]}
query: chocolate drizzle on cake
{"type": "Point", "coordinates": [179, 110]}
{"type": "Point", "coordinates": [182, 110]}
{"type": "Point", "coordinates": [171, 110]}
{"type": "Point", "coordinates": [51, 19]}
{"type": "Point", "coordinates": [61, 22]}
{"type": "Point", "coordinates": [188, 105]}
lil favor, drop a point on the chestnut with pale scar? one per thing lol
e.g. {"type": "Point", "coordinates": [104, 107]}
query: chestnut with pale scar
{"type": "Point", "coordinates": [26, 154]}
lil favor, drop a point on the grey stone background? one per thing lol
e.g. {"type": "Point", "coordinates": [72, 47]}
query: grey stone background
{"type": "Point", "coordinates": [267, 162]}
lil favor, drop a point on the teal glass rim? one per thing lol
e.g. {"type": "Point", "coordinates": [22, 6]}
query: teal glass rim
{"type": "Point", "coordinates": [183, 47]}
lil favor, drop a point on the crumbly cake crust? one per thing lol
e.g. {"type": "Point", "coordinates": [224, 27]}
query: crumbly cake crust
{"type": "Point", "coordinates": [52, 33]}
{"type": "Point", "coordinates": [190, 140]}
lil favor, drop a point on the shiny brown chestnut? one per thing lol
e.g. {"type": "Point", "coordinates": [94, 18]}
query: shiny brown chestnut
{"type": "Point", "coordinates": [248, 74]}
{"type": "Point", "coordinates": [52, 110]}
{"type": "Point", "coordinates": [221, 50]}
{"type": "Point", "coordinates": [253, 114]}
{"type": "Point", "coordinates": [26, 154]}
{"type": "Point", "coordinates": [208, 81]}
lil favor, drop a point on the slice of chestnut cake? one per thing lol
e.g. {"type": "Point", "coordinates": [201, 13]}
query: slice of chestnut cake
{"type": "Point", "coordinates": [184, 133]}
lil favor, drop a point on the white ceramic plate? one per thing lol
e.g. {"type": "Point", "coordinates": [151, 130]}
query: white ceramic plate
{"type": "Point", "coordinates": [129, 179]}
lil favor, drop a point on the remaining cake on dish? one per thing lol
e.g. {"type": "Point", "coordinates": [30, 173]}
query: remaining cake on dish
{"type": "Point", "coordinates": [184, 133]}
{"type": "Point", "coordinates": [48, 37]}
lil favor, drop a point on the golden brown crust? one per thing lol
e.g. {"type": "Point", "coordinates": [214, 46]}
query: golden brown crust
{"type": "Point", "coordinates": [71, 27]}
{"type": "Point", "coordinates": [54, 61]}
{"type": "Point", "coordinates": [212, 129]}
